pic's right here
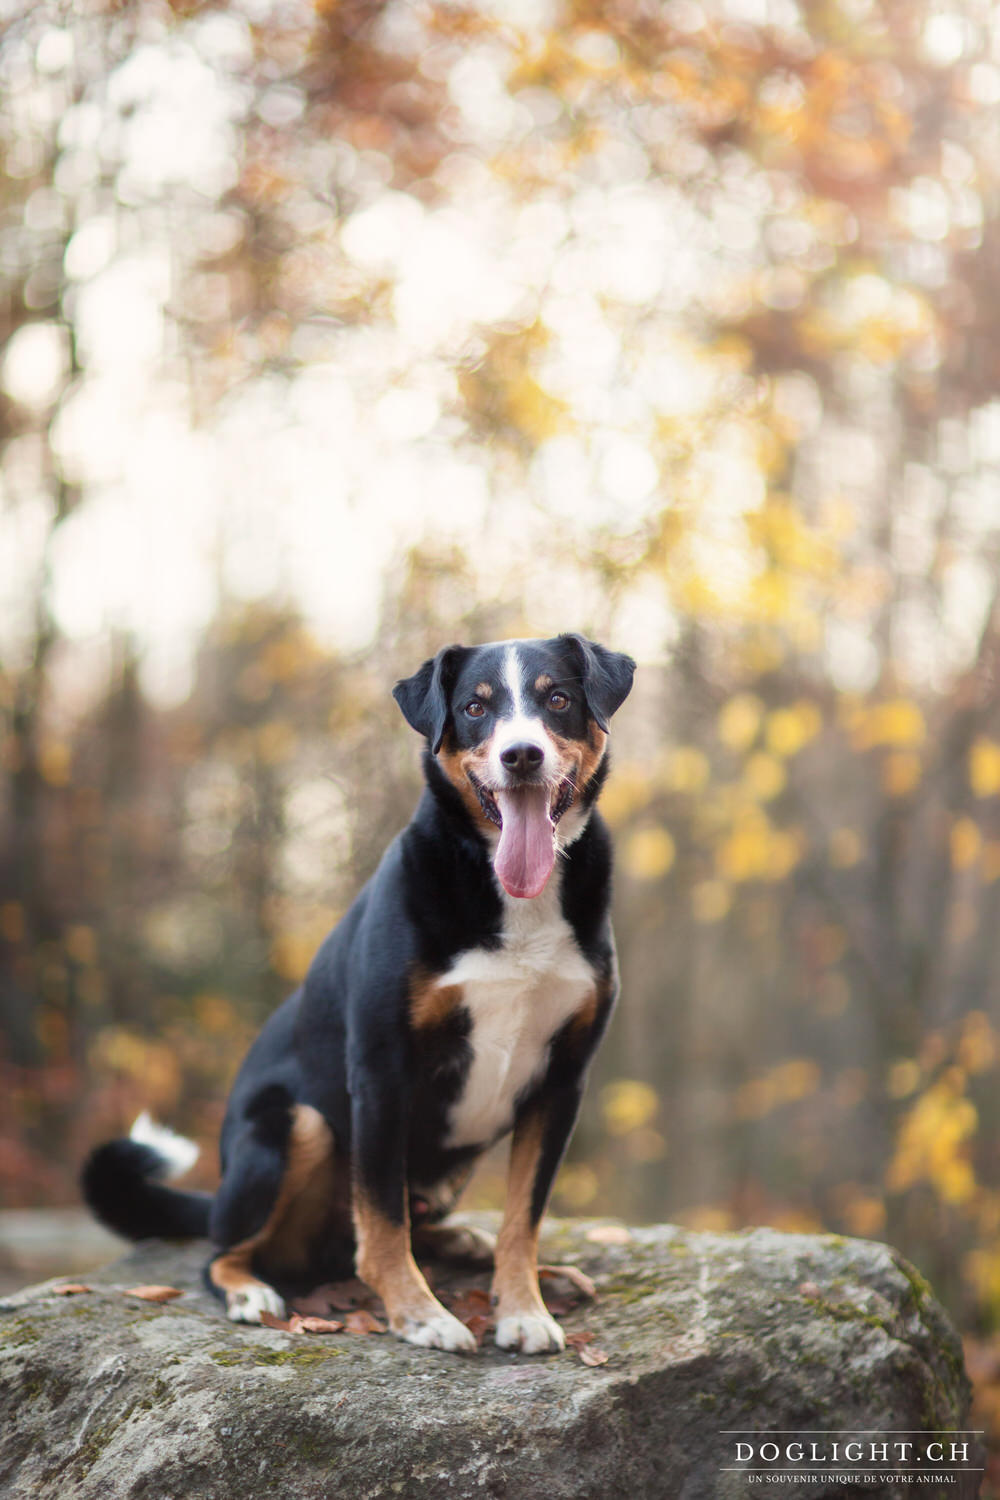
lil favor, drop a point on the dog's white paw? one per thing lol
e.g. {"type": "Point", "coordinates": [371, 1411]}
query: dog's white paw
{"type": "Point", "coordinates": [531, 1333]}
{"type": "Point", "coordinates": [246, 1305]}
{"type": "Point", "coordinates": [440, 1331]}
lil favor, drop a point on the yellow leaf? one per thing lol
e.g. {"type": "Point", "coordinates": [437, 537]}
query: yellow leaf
{"type": "Point", "coordinates": [789, 729]}
{"type": "Point", "coordinates": [646, 1145]}
{"type": "Point", "coordinates": [984, 768]}
{"type": "Point", "coordinates": [627, 1104]}
{"type": "Point", "coordinates": [81, 944]}
{"type": "Point", "coordinates": [898, 721]}
{"type": "Point", "coordinates": [901, 772]}
{"type": "Point", "coordinates": [577, 1186]}
{"type": "Point", "coordinates": [710, 901]}
{"type": "Point", "coordinates": [903, 1078]}
{"type": "Point", "coordinates": [977, 1050]}
{"type": "Point", "coordinates": [739, 721]}
{"type": "Point", "coordinates": [291, 955]}
{"type": "Point", "coordinates": [865, 1215]}
{"type": "Point", "coordinates": [795, 1079]}
{"type": "Point", "coordinates": [966, 842]}
{"type": "Point", "coordinates": [743, 855]}
{"type": "Point", "coordinates": [627, 791]}
{"type": "Point", "coordinates": [687, 769]}
{"type": "Point", "coordinates": [765, 776]}
{"type": "Point", "coordinates": [55, 761]}
{"type": "Point", "coordinates": [649, 853]}
{"type": "Point", "coordinates": [845, 848]}
{"type": "Point", "coordinates": [275, 741]}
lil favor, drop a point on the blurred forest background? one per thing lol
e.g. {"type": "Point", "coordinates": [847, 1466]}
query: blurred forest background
{"type": "Point", "coordinates": [334, 332]}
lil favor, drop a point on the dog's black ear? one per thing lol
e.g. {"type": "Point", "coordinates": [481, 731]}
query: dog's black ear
{"type": "Point", "coordinates": [606, 676]}
{"type": "Point", "coordinates": [423, 697]}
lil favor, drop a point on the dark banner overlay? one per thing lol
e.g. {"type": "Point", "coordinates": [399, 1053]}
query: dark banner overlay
{"type": "Point", "coordinates": [873, 1462]}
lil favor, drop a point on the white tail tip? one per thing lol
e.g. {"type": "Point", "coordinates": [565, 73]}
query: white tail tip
{"type": "Point", "coordinates": [178, 1152]}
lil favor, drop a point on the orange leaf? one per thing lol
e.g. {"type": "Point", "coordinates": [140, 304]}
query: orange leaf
{"type": "Point", "coordinates": [592, 1356]}
{"type": "Point", "coordinates": [314, 1325]}
{"type": "Point", "coordinates": [473, 1302]}
{"type": "Point", "coordinates": [363, 1322]}
{"type": "Point", "coordinates": [70, 1289]}
{"type": "Point", "coordinates": [572, 1274]}
{"type": "Point", "coordinates": [346, 1295]}
{"type": "Point", "coordinates": [477, 1325]}
{"type": "Point", "coordinates": [154, 1293]}
{"type": "Point", "coordinates": [268, 1320]}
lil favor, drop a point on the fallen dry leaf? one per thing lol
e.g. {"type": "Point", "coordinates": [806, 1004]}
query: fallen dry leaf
{"type": "Point", "coordinates": [345, 1296]}
{"type": "Point", "coordinates": [609, 1234]}
{"type": "Point", "coordinates": [70, 1289]}
{"type": "Point", "coordinates": [592, 1356]}
{"type": "Point", "coordinates": [478, 1325]}
{"type": "Point", "coordinates": [473, 1302]}
{"type": "Point", "coordinates": [154, 1293]}
{"type": "Point", "coordinates": [314, 1325]}
{"type": "Point", "coordinates": [363, 1321]}
{"type": "Point", "coordinates": [268, 1320]}
{"type": "Point", "coordinates": [577, 1340]}
{"type": "Point", "coordinates": [573, 1275]}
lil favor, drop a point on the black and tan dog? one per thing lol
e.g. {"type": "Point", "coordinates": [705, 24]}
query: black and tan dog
{"type": "Point", "coordinates": [460, 998]}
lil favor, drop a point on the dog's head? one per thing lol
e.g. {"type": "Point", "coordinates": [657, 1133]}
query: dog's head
{"type": "Point", "coordinates": [520, 728]}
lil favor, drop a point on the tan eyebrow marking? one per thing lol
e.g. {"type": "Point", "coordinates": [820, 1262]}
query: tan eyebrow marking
{"type": "Point", "coordinates": [484, 690]}
{"type": "Point", "coordinates": [543, 682]}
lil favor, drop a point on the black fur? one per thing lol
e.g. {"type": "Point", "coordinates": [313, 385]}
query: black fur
{"type": "Point", "coordinates": [121, 1183]}
{"type": "Point", "coordinates": [344, 1042]}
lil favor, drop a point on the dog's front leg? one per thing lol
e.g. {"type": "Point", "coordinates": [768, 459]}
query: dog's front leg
{"type": "Point", "coordinates": [540, 1137]}
{"type": "Point", "coordinates": [382, 1225]}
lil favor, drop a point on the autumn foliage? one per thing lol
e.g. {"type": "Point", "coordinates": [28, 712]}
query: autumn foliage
{"type": "Point", "coordinates": [674, 323]}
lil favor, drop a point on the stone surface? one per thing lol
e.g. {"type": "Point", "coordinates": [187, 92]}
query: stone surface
{"type": "Point", "coordinates": [102, 1395]}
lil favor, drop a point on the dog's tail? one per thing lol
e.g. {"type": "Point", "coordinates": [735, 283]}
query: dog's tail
{"type": "Point", "coordinates": [123, 1184]}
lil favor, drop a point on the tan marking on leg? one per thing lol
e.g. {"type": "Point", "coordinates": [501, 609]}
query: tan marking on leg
{"type": "Point", "coordinates": [299, 1212]}
{"type": "Point", "coordinates": [516, 1281]}
{"type": "Point", "coordinates": [523, 1321]}
{"type": "Point", "coordinates": [431, 1003]}
{"type": "Point", "coordinates": [307, 1189]}
{"type": "Point", "coordinates": [230, 1272]}
{"type": "Point", "coordinates": [385, 1261]}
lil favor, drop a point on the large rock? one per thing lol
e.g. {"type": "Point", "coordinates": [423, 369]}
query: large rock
{"type": "Point", "coordinates": [106, 1396]}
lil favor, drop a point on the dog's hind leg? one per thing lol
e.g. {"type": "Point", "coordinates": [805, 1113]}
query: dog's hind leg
{"type": "Point", "coordinates": [462, 1243]}
{"type": "Point", "coordinates": [382, 1218]}
{"type": "Point", "coordinates": [273, 1199]}
{"type": "Point", "coordinates": [437, 1238]}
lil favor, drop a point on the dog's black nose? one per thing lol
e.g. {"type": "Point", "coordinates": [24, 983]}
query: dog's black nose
{"type": "Point", "coordinates": [521, 759]}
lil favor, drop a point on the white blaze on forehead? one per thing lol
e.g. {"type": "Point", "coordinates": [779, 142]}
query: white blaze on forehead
{"type": "Point", "coordinates": [513, 679]}
{"type": "Point", "coordinates": [520, 726]}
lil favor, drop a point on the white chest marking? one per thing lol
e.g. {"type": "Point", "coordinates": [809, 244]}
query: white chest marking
{"type": "Point", "coordinates": [518, 996]}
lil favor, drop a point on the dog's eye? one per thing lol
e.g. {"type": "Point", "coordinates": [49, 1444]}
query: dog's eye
{"type": "Point", "coordinates": [475, 709]}
{"type": "Point", "coordinates": [558, 700]}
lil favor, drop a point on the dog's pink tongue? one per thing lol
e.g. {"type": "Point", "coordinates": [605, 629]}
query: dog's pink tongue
{"type": "Point", "coordinates": [527, 849]}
